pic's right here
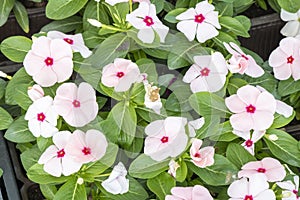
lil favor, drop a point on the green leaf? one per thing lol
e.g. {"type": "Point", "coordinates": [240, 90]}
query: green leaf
{"type": "Point", "coordinates": [223, 37]}
{"type": "Point", "coordinates": [181, 172]}
{"type": "Point", "coordinates": [238, 155]}
{"type": "Point", "coordinates": [64, 25]}
{"type": "Point", "coordinates": [92, 39]}
{"type": "Point", "coordinates": [148, 66]}
{"type": "Point", "coordinates": [266, 81]}
{"type": "Point", "coordinates": [71, 190]}
{"type": "Point", "coordinates": [105, 162]}
{"type": "Point", "coordinates": [220, 173]}
{"type": "Point", "coordinates": [37, 174]}
{"type": "Point", "coordinates": [171, 16]}
{"type": "Point", "coordinates": [2, 87]}
{"type": "Point", "coordinates": [182, 3]}
{"type": "Point", "coordinates": [1, 172]}
{"type": "Point", "coordinates": [5, 7]}
{"type": "Point", "coordinates": [234, 84]}
{"type": "Point", "coordinates": [30, 157]}
{"type": "Point", "coordinates": [158, 4]}
{"type": "Point", "coordinates": [284, 148]}
{"type": "Point", "coordinates": [21, 16]}
{"type": "Point", "coordinates": [18, 132]}
{"type": "Point", "coordinates": [48, 190]}
{"type": "Point", "coordinates": [15, 48]}
{"type": "Point", "coordinates": [44, 143]}
{"type": "Point", "coordinates": [61, 9]}
{"type": "Point", "coordinates": [289, 86]}
{"type": "Point", "coordinates": [168, 7]}
{"type": "Point", "coordinates": [245, 21]}
{"type": "Point", "coordinates": [161, 185]}
{"type": "Point", "coordinates": [145, 167]}
{"type": "Point", "coordinates": [233, 25]}
{"type": "Point", "coordinates": [224, 8]}
{"type": "Point", "coordinates": [208, 104]}
{"type": "Point", "coordinates": [210, 128]}
{"type": "Point", "coordinates": [281, 121]}
{"type": "Point", "coordinates": [289, 5]}
{"type": "Point", "coordinates": [5, 119]}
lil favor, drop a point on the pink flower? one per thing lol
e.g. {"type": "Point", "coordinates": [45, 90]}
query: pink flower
{"type": "Point", "coordinates": [201, 21]}
{"type": "Point", "coordinates": [242, 63]}
{"type": "Point", "coordinates": [189, 193]}
{"type": "Point", "coordinates": [145, 20]}
{"type": "Point", "coordinates": [166, 138]}
{"type": "Point", "coordinates": [77, 106]}
{"type": "Point", "coordinates": [120, 74]}
{"type": "Point", "coordinates": [250, 139]}
{"type": "Point", "coordinates": [87, 147]}
{"type": "Point", "coordinates": [203, 157]}
{"type": "Point", "coordinates": [207, 74]}
{"type": "Point", "coordinates": [75, 41]}
{"type": "Point", "coordinates": [271, 168]}
{"type": "Point", "coordinates": [49, 61]}
{"type": "Point", "coordinates": [56, 158]}
{"type": "Point", "coordinates": [35, 92]}
{"type": "Point", "coordinates": [256, 188]}
{"type": "Point", "coordinates": [285, 59]}
{"type": "Point", "coordinates": [252, 109]}
{"type": "Point", "coordinates": [42, 117]}
{"type": "Point", "coordinates": [290, 189]}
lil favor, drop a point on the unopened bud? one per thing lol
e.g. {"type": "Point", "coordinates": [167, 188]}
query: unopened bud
{"type": "Point", "coordinates": [94, 22]}
{"type": "Point", "coordinates": [80, 181]}
{"type": "Point", "coordinates": [35, 92]}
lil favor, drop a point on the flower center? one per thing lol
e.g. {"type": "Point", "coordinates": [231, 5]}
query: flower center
{"type": "Point", "coordinates": [249, 143]}
{"type": "Point", "coordinates": [76, 104]}
{"type": "Point", "coordinates": [290, 60]}
{"type": "Point", "coordinates": [120, 74]}
{"type": "Point", "coordinates": [250, 109]}
{"type": "Point", "coordinates": [261, 170]}
{"type": "Point", "coordinates": [69, 41]}
{"type": "Point", "coordinates": [86, 151]}
{"type": "Point", "coordinates": [248, 197]}
{"type": "Point", "coordinates": [197, 155]}
{"type": "Point", "coordinates": [295, 192]}
{"type": "Point", "coordinates": [148, 20]}
{"type": "Point", "coordinates": [164, 139]}
{"type": "Point", "coordinates": [199, 18]}
{"type": "Point", "coordinates": [41, 117]}
{"type": "Point", "coordinates": [49, 61]}
{"type": "Point", "coordinates": [246, 58]}
{"type": "Point", "coordinates": [205, 72]}
{"type": "Point", "coordinates": [61, 153]}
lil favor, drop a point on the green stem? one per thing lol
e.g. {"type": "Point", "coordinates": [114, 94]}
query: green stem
{"type": "Point", "coordinates": [112, 28]}
{"type": "Point", "coordinates": [98, 17]}
{"type": "Point", "coordinates": [103, 175]}
{"type": "Point", "coordinates": [130, 6]}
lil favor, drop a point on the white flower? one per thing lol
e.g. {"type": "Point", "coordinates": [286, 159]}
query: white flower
{"type": "Point", "coordinates": [145, 20]}
{"type": "Point", "coordinates": [201, 21]}
{"type": "Point", "coordinates": [195, 125]}
{"type": "Point", "coordinates": [173, 166]}
{"type": "Point", "coordinates": [75, 41]}
{"type": "Point", "coordinates": [152, 97]}
{"type": "Point", "coordinates": [42, 117]}
{"type": "Point", "coordinates": [292, 27]}
{"type": "Point", "coordinates": [35, 92]}
{"type": "Point", "coordinates": [117, 183]}
{"type": "Point", "coordinates": [250, 139]}
{"type": "Point", "coordinates": [290, 189]}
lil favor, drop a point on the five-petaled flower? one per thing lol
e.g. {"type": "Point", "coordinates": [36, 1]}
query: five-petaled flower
{"type": "Point", "coordinates": [42, 117]}
{"type": "Point", "coordinates": [250, 139]}
{"type": "Point", "coordinates": [201, 21]}
{"type": "Point", "coordinates": [203, 157]}
{"type": "Point", "coordinates": [145, 20]}
{"type": "Point", "coordinates": [165, 138]}
{"type": "Point", "coordinates": [207, 74]}
{"type": "Point", "coordinates": [56, 158]}
{"type": "Point", "coordinates": [120, 74]}
{"type": "Point", "coordinates": [242, 63]}
{"type": "Point", "coordinates": [49, 61]}
{"type": "Point", "coordinates": [252, 109]}
{"type": "Point", "coordinates": [290, 189]}
{"type": "Point", "coordinates": [292, 27]}
{"type": "Point", "coordinates": [189, 193]}
{"type": "Point", "coordinates": [285, 59]}
{"type": "Point", "coordinates": [77, 106]}
{"type": "Point", "coordinates": [269, 167]}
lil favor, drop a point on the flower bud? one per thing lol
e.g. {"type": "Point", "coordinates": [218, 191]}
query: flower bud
{"type": "Point", "coordinates": [35, 92]}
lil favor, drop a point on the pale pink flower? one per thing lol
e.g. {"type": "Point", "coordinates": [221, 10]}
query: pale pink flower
{"type": "Point", "coordinates": [145, 20]}
{"type": "Point", "coordinates": [75, 41]}
{"type": "Point", "coordinates": [250, 139]}
{"type": "Point", "coordinates": [173, 166]}
{"type": "Point", "coordinates": [189, 193]}
{"type": "Point", "coordinates": [77, 106]}
{"type": "Point", "coordinates": [152, 97]}
{"type": "Point", "coordinates": [114, 2]}
{"type": "Point", "coordinates": [201, 21]}
{"type": "Point", "coordinates": [120, 74]}
{"type": "Point", "coordinates": [285, 59]}
{"type": "Point", "coordinates": [42, 117]}
{"type": "Point", "coordinates": [87, 147]}
{"type": "Point", "coordinates": [56, 158]}
{"type": "Point", "coordinates": [252, 109]}
{"type": "Point", "coordinates": [292, 27]}
{"type": "Point", "coordinates": [271, 168]}
{"type": "Point", "coordinates": [207, 74]}
{"type": "Point", "coordinates": [241, 62]}
{"type": "Point", "coordinates": [49, 61]}
{"type": "Point", "coordinates": [195, 125]}
{"type": "Point", "coordinates": [290, 189]}
{"type": "Point", "coordinates": [35, 92]}
{"type": "Point", "coordinates": [117, 183]}
{"type": "Point", "coordinates": [256, 188]}
{"type": "Point", "coordinates": [165, 138]}
{"type": "Point", "coordinates": [203, 157]}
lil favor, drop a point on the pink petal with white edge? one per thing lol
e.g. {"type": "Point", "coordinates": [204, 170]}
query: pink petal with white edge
{"type": "Point", "coordinates": [238, 189]}
{"type": "Point", "coordinates": [288, 16]}
{"type": "Point", "coordinates": [282, 72]}
{"type": "Point", "coordinates": [53, 167]}
{"type": "Point", "coordinates": [204, 7]}
{"type": "Point", "coordinates": [290, 29]}
{"type": "Point", "coordinates": [242, 121]}
{"type": "Point", "coordinates": [41, 46]}
{"type": "Point", "coordinates": [277, 58]}
{"type": "Point", "coordinates": [234, 104]}
{"type": "Point", "coordinates": [63, 69]}
{"type": "Point", "coordinates": [200, 191]}
{"type": "Point", "coordinates": [188, 28]}
{"type": "Point", "coordinates": [61, 139]}
{"type": "Point", "coordinates": [46, 77]}
{"type": "Point", "coordinates": [48, 154]}
{"type": "Point", "coordinates": [262, 120]}
{"type": "Point", "coordinates": [146, 35]}
{"type": "Point", "coordinates": [248, 94]}
{"type": "Point", "coordinates": [189, 14]}
{"type": "Point", "coordinates": [60, 49]}
{"type": "Point", "coordinates": [284, 109]}
{"type": "Point", "coordinates": [205, 32]}
{"type": "Point", "coordinates": [266, 102]}
{"type": "Point", "coordinates": [33, 63]}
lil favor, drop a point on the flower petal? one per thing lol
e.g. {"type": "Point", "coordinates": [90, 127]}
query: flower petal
{"type": "Point", "coordinates": [188, 28]}
{"type": "Point", "coordinates": [205, 32]}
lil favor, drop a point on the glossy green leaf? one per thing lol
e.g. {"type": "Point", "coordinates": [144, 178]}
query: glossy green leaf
{"type": "Point", "coordinates": [238, 155]}
{"type": "Point", "coordinates": [21, 16]}
{"type": "Point", "coordinates": [161, 185]}
{"type": "Point", "coordinates": [5, 119]}
{"type": "Point", "coordinates": [71, 190]}
{"type": "Point", "coordinates": [289, 86]}
{"type": "Point", "coordinates": [289, 5]}
{"type": "Point", "coordinates": [234, 25]}
{"type": "Point", "coordinates": [5, 7]}
{"type": "Point", "coordinates": [171, 16]}
{"type": "Point", "coordinates": [30, 157]}
{"type": "Point", "coordinates": [281, 121]}
{"type": "Point", "coordinates": [48, 190]}
{"type": "Point", "coordinates": [65, 25]}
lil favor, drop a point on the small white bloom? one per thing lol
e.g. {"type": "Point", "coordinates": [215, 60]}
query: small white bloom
{"type": "Point", "coordinates": [35, 92]}
{"type": "Point", "coordinates": [290, 189]}
{"type": "Point", "coordinates": [145, 20]}
{"type": "Point", "coordinates": [195, 125]}
{"type": "Point", "coordinates": [117, 182]}
{"type": "Point", "coordinates": [94, 22]}
{"type": "Point", "coordinates": [250, 139]}
{"type": "Point", "coordinates": [292, 27]}
{"type": "Point", "coordinates": [152, 97]}
{"type": "Point", "coordinates": [173, 166]}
